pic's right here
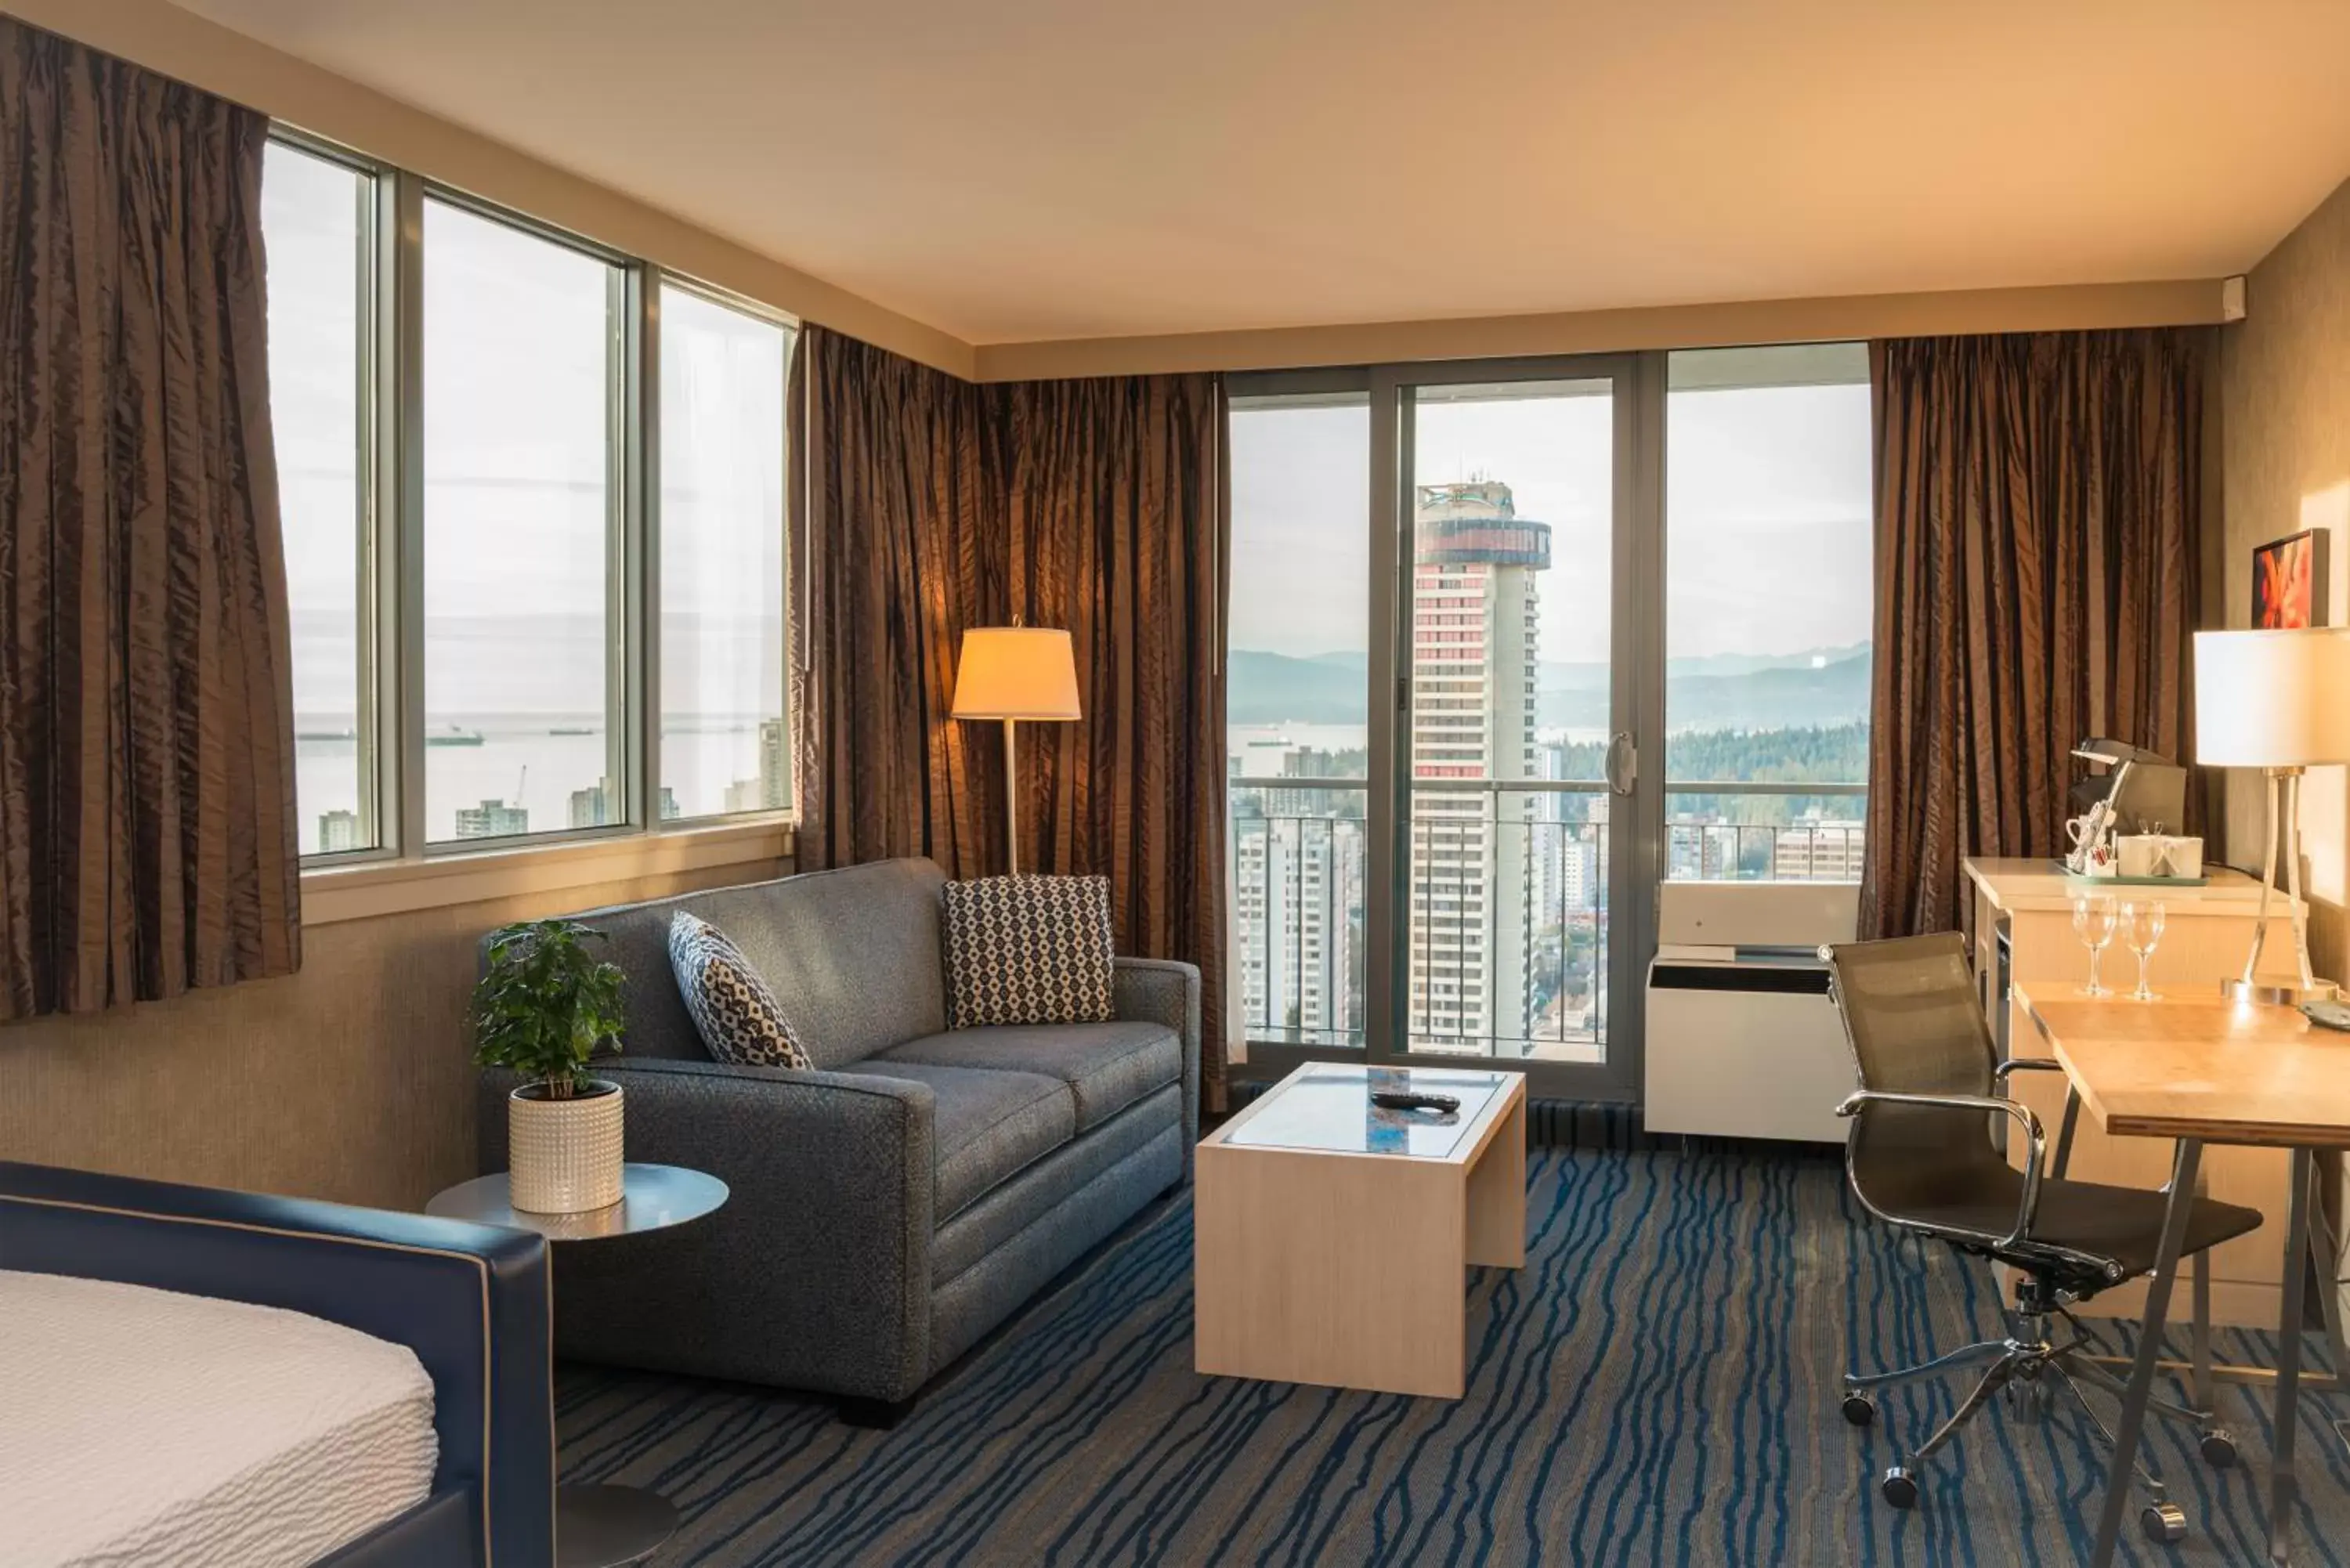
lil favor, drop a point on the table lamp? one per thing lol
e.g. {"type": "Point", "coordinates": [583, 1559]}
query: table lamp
{"type": "Point", "coordinates": [1015, 672]}
{"type": "Point", "coordinates": [2279, 702]}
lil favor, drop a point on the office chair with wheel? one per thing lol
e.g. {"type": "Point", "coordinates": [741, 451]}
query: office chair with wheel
{"type": "Point", "coordinates": [1919, 1157]}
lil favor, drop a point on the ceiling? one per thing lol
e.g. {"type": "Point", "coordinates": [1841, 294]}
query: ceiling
{"type": "Point", "coordinates": [1020, 169]}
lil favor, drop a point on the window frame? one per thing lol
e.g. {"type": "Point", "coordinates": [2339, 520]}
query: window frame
{"type": "Point", "coordinates": [650, 599]}
{"type": "Point", "coordinates": [377, 566]}
{"type": "Point", "coordinates": [626, 509]}
{"type": "Point", "coordinates": [1637, 869]}
{"type": "Point", "coordinates": [392, 551]}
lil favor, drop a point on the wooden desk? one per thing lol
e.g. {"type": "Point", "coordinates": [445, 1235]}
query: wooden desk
{"type": "Point", "coordinates": [2209, 931]}
{"type": "Point", "coordinates": [2209, 1072]}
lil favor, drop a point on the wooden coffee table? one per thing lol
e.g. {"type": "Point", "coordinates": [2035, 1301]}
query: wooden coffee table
{"type": "Point", "coordinates": [1332, 1237]}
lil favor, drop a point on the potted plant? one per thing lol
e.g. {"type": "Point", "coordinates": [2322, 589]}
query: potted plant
{"type": "Point", "coordinates": [544, 1006]}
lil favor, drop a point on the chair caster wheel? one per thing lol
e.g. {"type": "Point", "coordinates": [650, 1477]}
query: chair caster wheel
{"type": "Point", "coordinates": [1860, 1409]}
{"type": "Point", "coordinates": [1900, 1488]}
{"type": "Point", "coordinates": [2219, 1445]}
{"type": "Point", "coordinates": [2163, 1521]}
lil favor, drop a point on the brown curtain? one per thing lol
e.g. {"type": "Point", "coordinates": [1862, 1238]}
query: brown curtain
{"type": "Point", "coordinates": [146, 730]}
{"type": "Point", "coordinates": [922, 505]}
{"type": "Point", "coordinates": [897, 523]}
{"type": "Point", "coordinates": [2037, 541]}
{"type": "Point", "coordinates": [1117, 528]}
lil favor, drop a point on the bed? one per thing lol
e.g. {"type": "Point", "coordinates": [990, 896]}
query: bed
{"type": "Point", "coordinates": [205, 1378]}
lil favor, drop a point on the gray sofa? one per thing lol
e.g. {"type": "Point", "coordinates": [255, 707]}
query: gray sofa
{"type": "Point", "coordinates": [896, 1203]}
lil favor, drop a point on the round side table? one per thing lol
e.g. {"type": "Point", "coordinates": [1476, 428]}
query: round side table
{"type": "Point", "coordinates": [599, 1526]}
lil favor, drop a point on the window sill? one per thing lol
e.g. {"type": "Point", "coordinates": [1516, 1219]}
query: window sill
{"type": "Point", "coordinates": [367, 891]}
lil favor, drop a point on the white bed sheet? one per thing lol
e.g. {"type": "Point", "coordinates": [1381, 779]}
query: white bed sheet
{"type": "Point", "coordinates": [144, 1427]}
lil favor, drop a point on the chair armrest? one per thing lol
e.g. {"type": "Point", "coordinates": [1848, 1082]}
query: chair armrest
{"type": "Point", "coordinates": [1981, 1105]}
{"type": "Point", "coordinates": [469, 1301]}
{"type": "Point", "coordinates": [2072, 1104]}
{"type": "Point", "coordinates": [815, 1272]}
{"type": "Point", "coordinates": [1166, 990]}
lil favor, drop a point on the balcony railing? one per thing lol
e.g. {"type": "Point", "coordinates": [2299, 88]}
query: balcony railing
{"type": "Point", "coordinates": [1507, 932]}
{"type": "Point", "coordinates": [1748, 830]}
{"type": "Point", "coordinates": [1297, 856]}
{"type": "Point", "coordinates": [1505, 928]}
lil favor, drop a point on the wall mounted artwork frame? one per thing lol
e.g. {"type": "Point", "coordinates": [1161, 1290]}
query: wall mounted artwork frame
{"type": "Point", "coordinates": [2289, 577]}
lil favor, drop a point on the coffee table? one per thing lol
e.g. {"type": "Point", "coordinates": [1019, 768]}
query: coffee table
{"type": "Point", "coordinates": [1332, 1238]}
{"type": "Point", "coordinates": [599, 1526]}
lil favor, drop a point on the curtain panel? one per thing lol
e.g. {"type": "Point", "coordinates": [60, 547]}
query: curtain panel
{"type": "Point", "coordinates": [2037, 545]}
{"type": "Point", "coordinates": [896, 518]}
{"type": "Point", "coordinates": [146, 727]}
{"type": "Point", "coordinates": [922, 505]}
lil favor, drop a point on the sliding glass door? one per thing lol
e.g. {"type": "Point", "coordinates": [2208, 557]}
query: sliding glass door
{"type": "Point", "coordinates": [1512, 729]}
{"type": "Point", "coordinates": [1493, 680]}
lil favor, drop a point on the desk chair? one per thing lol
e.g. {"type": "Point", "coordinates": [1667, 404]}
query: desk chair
{"type": "Point", "coordinates": [1921, 1159]}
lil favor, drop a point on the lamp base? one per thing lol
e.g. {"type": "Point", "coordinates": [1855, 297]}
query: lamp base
{"type": "Point", "coordinates": [2276, 994]}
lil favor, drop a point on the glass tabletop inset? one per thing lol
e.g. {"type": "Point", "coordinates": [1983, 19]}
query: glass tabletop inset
{"type": "Point", "coordinates": [1328, 1109]}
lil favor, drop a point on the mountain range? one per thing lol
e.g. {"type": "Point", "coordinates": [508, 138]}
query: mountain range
{"type": "Point", "coordinates": [1763, 691]}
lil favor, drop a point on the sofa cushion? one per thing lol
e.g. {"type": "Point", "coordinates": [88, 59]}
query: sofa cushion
{"type": "Point", "coordinates": [731, 1005]}
{"type": "Point", "coordinates": [988, 1126]}
{"type": "Point", "coordinates": [1027, 949]}
{"type": "Point", "coordinates": [852, 956]}
{"type": "Point", "coordinates": [1107, 1067]}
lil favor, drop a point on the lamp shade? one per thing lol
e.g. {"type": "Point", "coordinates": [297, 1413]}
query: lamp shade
{"type": "Point", "coordinates": [1016, 672]}
{"type": "Point", "coordinates": [2273, 699]}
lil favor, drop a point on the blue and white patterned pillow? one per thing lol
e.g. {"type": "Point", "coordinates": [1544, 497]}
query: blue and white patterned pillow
{"type": "Point", "coordinates": [732, 1006]}
{"type": "Point", "coordinates": [1027, 949]}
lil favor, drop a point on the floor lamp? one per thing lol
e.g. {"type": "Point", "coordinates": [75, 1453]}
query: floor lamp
{"type": "Point", "coordinates": [1015, 672]}
{"type": "Point", "coordinates": [2278, 701]}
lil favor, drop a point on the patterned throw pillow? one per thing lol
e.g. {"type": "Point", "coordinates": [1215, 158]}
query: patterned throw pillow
{"type": "Point", "coordinates": [1027, 949]}
{"type": "Point", "coordinates": [732, 1006]}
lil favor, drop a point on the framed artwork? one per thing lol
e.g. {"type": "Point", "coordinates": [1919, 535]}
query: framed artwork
{"type": "Point", "coordinates": [2289, 582]}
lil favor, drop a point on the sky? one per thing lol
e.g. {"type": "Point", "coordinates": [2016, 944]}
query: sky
{"type": "Point", "coordinates": [1767, 506]}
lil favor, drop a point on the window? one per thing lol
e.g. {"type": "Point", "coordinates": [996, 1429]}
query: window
{"type": "Point", "coordinates": [317, 227]}
{"type": "Point", "coordinates": [1298, 710]}
{"type": "Point", "coordinates": [468, 406]}
{"type": "Point", "coordinates": [724, 747]}
{"type": "Point", "coordinates": [524, 350]}
{"type": "Point", "coordinates": [1768, 605]}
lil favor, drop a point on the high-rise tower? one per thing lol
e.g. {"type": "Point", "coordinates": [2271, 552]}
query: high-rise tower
{"type": "Point", "coordinates": [1474, 603]}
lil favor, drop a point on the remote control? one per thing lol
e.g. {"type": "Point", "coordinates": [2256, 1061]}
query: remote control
{"type": "Point", "coordinates": [1405, 1100]}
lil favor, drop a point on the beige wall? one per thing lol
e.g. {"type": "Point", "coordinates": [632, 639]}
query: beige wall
{"type": "Point", "coordinates": [2285, 435]}
{"type": "Point", "coordinates": [2285, 431]}
{"type": "Point", "coordinates": [351, 1080]}
{"type": "Point", "coordinates": [2067, 309]}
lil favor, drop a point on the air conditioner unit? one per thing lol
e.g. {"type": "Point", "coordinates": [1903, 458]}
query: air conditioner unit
{"type": "Point", "coordinates": [1742, 1041]}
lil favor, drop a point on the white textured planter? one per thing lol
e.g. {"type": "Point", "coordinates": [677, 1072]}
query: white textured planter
{"type": "Point", "coordinates": [564, 1154]}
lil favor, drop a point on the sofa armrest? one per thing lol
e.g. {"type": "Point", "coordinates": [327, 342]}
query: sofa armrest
{"type": "Point", "coordinates": [1166, 990]}
{"type": "Point", "coordinates": [471, 1301]}
{"type": "Point", "coordinates": [814, 1275]}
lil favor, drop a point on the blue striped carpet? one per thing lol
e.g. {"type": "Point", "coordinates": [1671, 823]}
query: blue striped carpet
{"type": "Point", "coordinates": [1657, 1385]}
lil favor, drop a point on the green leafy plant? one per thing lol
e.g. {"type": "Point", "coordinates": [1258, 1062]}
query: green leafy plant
{"type": "Point", "coordinates": [546, 1004]}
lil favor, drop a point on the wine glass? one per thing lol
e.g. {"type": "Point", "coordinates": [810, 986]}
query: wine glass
{"type": "Point", "coordinates": [2142, 928]}
{"type": "Point", "coordinates": [2092, 922]}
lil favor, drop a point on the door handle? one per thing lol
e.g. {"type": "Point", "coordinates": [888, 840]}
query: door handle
{"type": "Point", "coordinates": [1623, 762]}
